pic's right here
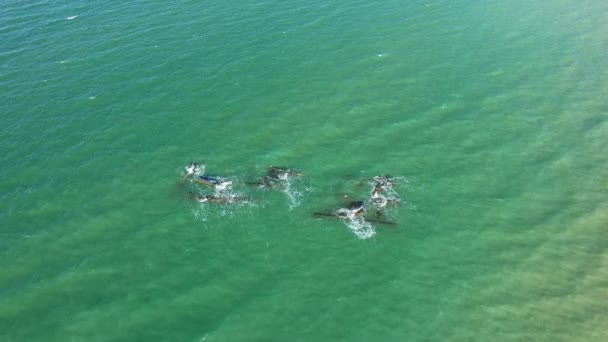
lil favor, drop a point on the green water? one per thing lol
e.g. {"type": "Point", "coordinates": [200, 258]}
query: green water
{"type": "Point", "coordinates": [494, 113]}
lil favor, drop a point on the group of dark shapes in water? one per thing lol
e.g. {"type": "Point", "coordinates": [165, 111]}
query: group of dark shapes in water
{"type": "Point", "coordinates": [381, 196]}
{"type": "Point", "coordinates": [358, 214]}
{"type": "Point", "coordinates": [275, 178]}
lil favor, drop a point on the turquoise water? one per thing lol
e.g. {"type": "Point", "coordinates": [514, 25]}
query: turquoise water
{"type": "Point", "coordinates": [493, 113]}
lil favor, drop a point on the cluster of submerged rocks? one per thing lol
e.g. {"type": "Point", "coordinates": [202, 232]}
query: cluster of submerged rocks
{"type": "Point", "coordinates": [357, 214]}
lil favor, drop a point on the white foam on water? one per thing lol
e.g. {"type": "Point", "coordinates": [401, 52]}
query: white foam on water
{"type": "Point", "coordinates": [224, 186]}
{"type": "Point", "coordinates": [388, 190]}
{"type": "Point", "coordinates": [194, 169]}
{"type": "Point", "coordinates": [356, 223]}
{"type": "Point", "coordinates": [72, 17]}
{"type": "Point", "coordinates": [295, 192]}
{"type": "Point", "coordinates": [190, 170]}
{"type": "Point", "coordinates": [237, 204]}
{"type": "Point", "coordinates": [361, 228]}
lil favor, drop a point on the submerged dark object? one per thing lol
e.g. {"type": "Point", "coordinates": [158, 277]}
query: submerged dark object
{"type": "Point", "coordinates": [277, 177]}
{"type": "Point", "coordinates": [212, 181]}
{"type": "Point", "coordinates": [334, 215]}
{"type": "Point", "coordinates": [217, 198]}
{"type": "Point", "coordinates": [276, 172]}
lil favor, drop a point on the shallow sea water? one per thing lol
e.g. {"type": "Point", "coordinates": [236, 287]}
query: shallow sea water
{"type": "Point", "coordinates": [493, 113]}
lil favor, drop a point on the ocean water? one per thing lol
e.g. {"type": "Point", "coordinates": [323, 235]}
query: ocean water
{"type": "Point", "coordinates": [493, 115]}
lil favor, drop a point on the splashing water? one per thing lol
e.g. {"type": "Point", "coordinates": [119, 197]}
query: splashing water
{"type": "Point", "coordinates": [361, 228]}
{"type": "Point", "coordinates": [386, 184]}
{"type": "Point", "coordinates": [295, 192]}
{"type": "Point", "coordinates": [194, 169]}
{"type": "Point", "coordinates": [356, 223]}
{"type": "Point", "coordinates": [235, 203]}
{"type": "Point", "coordinates": [223, 201]}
